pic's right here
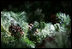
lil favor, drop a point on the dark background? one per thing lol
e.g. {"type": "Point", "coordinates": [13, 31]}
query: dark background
{"type": "Point", "coordinates": [54, 6]}
{"type": "Point", "coordinates": [48, 7]}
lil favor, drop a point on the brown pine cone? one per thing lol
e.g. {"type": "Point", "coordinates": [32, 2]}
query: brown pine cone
{"type": "Point", "coordinates": [16, 30]}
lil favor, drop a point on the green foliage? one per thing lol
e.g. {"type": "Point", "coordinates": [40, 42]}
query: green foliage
{"type": "Point", "coordinates": [64, 19]}
{"type": "Point", "coordinates": [33, 38]}
{"type": "Point", "coordinates": [36, 24]}
{"type": "Point", "coordinates": [42, 25]}
{"type": "Point", "coordinates": [6, 18]}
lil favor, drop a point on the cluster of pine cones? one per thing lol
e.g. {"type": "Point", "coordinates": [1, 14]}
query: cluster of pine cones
{"type": "Point", "coordinates": [16, 30]}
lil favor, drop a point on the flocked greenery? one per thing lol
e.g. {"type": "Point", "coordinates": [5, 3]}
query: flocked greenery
{"type": "Point", "coordinates": [45, 33]}
{"type": "Point", "coordinates": [31, 39]}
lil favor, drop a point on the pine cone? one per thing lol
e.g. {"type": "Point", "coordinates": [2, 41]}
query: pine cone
{"type": "Point", "coordinates": [16, 31]}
